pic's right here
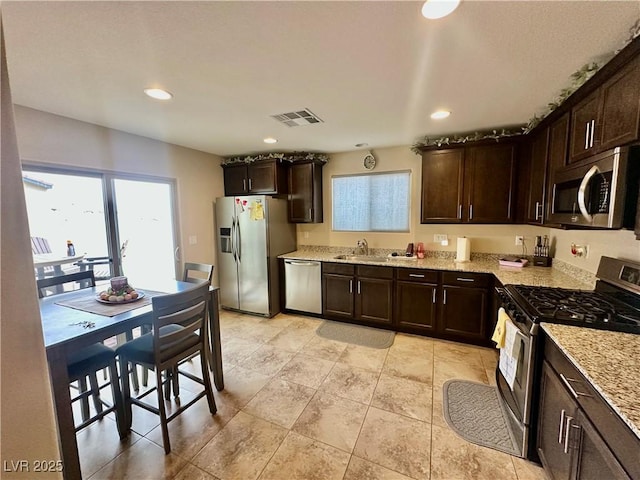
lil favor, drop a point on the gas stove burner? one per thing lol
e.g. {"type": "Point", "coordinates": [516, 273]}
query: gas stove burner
{"type": "Point", "coordinates": [577, 307]}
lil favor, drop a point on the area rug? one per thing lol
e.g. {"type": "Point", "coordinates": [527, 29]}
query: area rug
{"type": "Point", "coordinates": [356, 334]}
{"type": "Point", "coordinates": [474, 412]}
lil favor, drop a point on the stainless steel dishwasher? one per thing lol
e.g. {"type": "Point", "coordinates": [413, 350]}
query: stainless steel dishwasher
{"type": "Point", "coordinates": [303, 290]}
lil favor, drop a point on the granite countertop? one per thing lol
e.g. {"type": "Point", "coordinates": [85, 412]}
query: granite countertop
{"type": "Point", "coordinates": [536, 276]}
{"type": "Point", "coordinates": [609, 360]}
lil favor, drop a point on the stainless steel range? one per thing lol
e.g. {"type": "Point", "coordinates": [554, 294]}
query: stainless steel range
{"type": "Point", "coordinates": [613, 305]}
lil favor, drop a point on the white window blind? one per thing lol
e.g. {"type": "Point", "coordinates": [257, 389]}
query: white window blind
{"type": "Point", "coordinates": [371, 202]}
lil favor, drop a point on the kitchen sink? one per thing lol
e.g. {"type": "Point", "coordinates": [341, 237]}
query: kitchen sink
{"type": "Point", "coordinates": [362, 258]}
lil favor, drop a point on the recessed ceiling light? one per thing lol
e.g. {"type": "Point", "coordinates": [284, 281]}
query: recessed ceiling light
{"type": "Point", "coordinates": [362, 145]}
{"type": "Point", "coordinates": [158, 93]}
{"type": "Point", "coordinates": [433, 9]}
{"type": "Point", "coordinates": [270, 140]}
{"type": "Point", "coordinates": [440, 114]}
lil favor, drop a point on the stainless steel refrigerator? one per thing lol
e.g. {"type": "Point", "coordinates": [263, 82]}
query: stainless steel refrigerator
{"type": "Point", "coordinates": [252, 231]}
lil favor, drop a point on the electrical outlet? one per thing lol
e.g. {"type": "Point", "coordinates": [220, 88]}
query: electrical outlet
{"type": "Point", "coordinates": [193, 239]}
{"type": "Point", "coordinates": [519, 239]}
{"type": "Point", "coordinates": [439, 238]}
{"type": "Point", "coordinates": [306, 235]}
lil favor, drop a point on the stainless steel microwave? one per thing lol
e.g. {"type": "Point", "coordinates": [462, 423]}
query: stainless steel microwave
{"type": "Point", "coordinates": [600, 192]}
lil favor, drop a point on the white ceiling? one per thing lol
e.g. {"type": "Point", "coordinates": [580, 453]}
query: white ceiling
{"type": "Point", "coordinates": [373, 71]}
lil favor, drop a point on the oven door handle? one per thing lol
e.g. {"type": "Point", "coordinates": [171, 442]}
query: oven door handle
{"type": "Point", "coordinates": [582, 190]}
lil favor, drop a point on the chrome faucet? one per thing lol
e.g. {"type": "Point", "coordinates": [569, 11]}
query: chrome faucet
{"type": "Point", "coordinates": [362, 247]}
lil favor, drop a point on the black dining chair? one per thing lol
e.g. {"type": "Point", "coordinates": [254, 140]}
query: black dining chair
{"type": "Point", "coordinates": [203, 271]}
{"type": "Point", "coordinates": [179, 331]}
{"type": "Point", "coordinates": [87, 362]}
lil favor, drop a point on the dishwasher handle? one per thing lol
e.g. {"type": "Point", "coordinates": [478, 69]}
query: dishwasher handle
{"type": "Point", "coordinates": [302, 263]}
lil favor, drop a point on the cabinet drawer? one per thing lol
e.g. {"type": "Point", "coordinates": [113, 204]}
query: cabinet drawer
{"type": "Point", "coordinates": [374, 272]}
{"type": "Point", "coordinates": [416, 275]}
{"type": "Point", "coordinates": [339, 268]}
{"type": "Point", "coordinates": [616, 434]}
{"type": "Point", "coordinates": [464, 279]}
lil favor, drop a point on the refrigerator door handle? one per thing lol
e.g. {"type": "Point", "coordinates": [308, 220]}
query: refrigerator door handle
{"type": "Point", "coordinates": [238, 242]}
{"type": "Point", "coordinates": [233, 238]}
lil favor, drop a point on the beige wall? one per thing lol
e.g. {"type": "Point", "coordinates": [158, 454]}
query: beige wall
{"type": "Point", "coordinates": [43, 137]}
{"type": "Point", "coordinates": [484, 238]}
{"type": "Point", "coordinates": [27, 421]}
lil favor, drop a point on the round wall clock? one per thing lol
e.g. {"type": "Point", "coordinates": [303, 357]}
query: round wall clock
{"type": "Point", "coordinates": [369, 162]}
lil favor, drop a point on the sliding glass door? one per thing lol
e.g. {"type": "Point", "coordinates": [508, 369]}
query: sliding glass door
{"type": "Point", "coordinates": [122, 224]}
{"type": "Point", "coordinates": [145, 226]}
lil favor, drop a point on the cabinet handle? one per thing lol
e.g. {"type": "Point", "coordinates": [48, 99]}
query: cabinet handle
{"type": "Point", "coordinates": [350, 286]}
{"type": "Point", "coordinates": [416, 275]}
{"type": "Point", "coordinates": [244, 185]}
{"type": "Point", "coordinates": [433, 296]}
{"type": "Point", "coordinates": [460, 211]}
{"type": "Point", "coordinates": [250, 187]}
{"type": "Point", "coordinates": [586, 137]}
{"type": "Point", "coordinates": [444, 297]}
{"type": "Point", "coordinates": [593, 129]}
{"type": "Point", "coordinates": [310, 214]}
{"type": "Point", "coordinates": [575, 394]}
{"type": "Point", "coordinates": [358, 287]}
{"type": "Point", "coordinates": [566, 434]}
{"type": "Point", "coordinates": [460, 279]}
{"type": "Point", "coordinates": [537, 210]}
{"type": "Point", "coordinates": [562, 413]}
{"type": "Point", "coordinates": [470, 212]}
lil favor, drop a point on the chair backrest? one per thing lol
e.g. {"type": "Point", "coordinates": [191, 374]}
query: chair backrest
{"type": "Point", "coordinates": [85, 279]}
{"type": "Point", "coordinates": [188, 309]}
{"type": "Point", "coordinates": [40, 245]}
{"type": "Point", "coordinates": [205, 270]}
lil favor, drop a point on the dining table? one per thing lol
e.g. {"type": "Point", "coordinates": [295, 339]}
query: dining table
{"type": "Point", "coordinates": [73, 320]}
{"type": "Point", "coordinates": [43, 260]}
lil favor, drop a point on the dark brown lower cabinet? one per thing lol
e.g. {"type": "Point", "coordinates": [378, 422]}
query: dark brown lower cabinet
{"type": "Point", "coordinates": [557, 409]}
{"type": "Point", "coordinates": [570, 447]}
{"type": "Point", "coordinates": [465, 306]}
{"type": "Point", "coordinates": [416, 300]}
{"type": "Point", "coordinates": [358, 293]}
{"type": "Point", "coordinates": [464, 312]}
{"type": "Point", "coordinates": [338, 295]}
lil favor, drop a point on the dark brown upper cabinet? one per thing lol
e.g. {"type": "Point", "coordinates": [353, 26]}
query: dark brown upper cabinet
{"type": "Point", "coordinates": [621, 107]}
{"type": "Point", "coordinates": [305, 192]}
{"type": "Point", "coordinates": [537, 177]}
{"type": "Point", "coordinates": [608, 117]}
{"type": "Point", "coordinates": [442, 175]}
{"type": "Point", "coordinates": [471, 184]}
{"type": "Point", "coordinates": [257, 178]}
{"type": "Point", "coordinates": [584, 117]}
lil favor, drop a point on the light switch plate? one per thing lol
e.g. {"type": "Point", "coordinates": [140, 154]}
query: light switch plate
{"type": "Point", "coordinates": [193, 239]}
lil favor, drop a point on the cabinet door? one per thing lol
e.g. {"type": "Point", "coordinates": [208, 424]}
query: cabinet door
{"type": "Point", "coordinates": [557, 155]}
{"type": "Point", "coordinates": [374, 300]}
{"type": "Point", "coordinates": [416, 305]}
{"type": "Point", "coordinates": [488, 184]}
{"type": "Point", "coordinates": [594, 460]}
{"type": "Point", "coordinates": [305, 193]}
{"type": "Point", "coordinates": [555, 418]}
{"type": "Point", "coordinates": [442, 173]}
{"type": "Point", "coordinates": [262, 177]}
{"type": "Point", "coordinates": [464, 313]}
{"type": "Point", "coordinates": [337, 295]}
{"type": "Point", "coordinates": [538, 177]}
{"type": "Point", "coordinates": [620, 115]}
{"type": "Point", "coordinates": [235, 180]}
{"type": "Point", "coordinates": [584, 138]}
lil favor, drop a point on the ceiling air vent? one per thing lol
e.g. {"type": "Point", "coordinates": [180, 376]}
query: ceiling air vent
{"type": "Point", "coordinates": [297, 119]}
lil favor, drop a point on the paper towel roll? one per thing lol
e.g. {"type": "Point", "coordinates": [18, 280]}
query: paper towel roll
{"type": "Point", "coordinates": [463, 253]}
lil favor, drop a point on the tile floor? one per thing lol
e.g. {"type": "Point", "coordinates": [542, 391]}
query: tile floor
{"type": "Point", "coordinates": [297, 406]}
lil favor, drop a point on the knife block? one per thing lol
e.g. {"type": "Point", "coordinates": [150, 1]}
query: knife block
{"type": "Point", "coordinates": [541, 261]}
